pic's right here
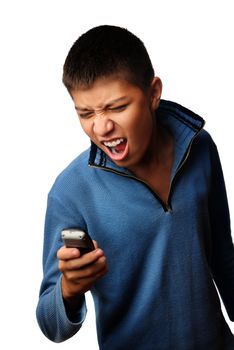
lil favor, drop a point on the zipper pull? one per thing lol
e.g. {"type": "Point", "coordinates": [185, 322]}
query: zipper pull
{"type": "Point", "coordinates": [168, 207]}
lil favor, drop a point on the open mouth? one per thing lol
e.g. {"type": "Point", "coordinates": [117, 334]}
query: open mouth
{"type": "Point", "coordinates": [116, 149]}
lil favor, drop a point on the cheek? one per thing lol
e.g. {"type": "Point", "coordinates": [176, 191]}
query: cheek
{"type": "Point", "coordinates": [141, 128]}
{"type": "Point", "coordinates": [87, 127]}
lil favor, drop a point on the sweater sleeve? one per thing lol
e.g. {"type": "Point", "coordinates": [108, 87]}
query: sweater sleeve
{"type": "Point", "coordinates": [222, 262]}
{"type": "Point", "coordinates": [51, 313]}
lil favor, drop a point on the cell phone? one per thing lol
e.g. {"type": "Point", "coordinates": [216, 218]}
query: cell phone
{"type": "Point", "coordinates": [76, 238]}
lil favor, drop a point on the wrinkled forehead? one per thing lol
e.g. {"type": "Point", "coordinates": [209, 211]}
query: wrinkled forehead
{"type": "Point", "coordinates": [103, 92]}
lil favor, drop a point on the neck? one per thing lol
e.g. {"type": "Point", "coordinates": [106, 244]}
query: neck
{"type": "Point", "coordinates": [159, 155]}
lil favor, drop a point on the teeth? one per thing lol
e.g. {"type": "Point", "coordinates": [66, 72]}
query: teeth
{"type": "Point", "coordinates": [113, 143]}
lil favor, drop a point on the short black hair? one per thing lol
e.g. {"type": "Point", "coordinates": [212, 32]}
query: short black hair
{"type": "Point", "coordinates": [104, 51]}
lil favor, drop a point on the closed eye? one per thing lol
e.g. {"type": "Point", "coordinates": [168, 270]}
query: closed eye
{"type": "Point", "coordinates": [85, 115]}
{"type": "Point", "coordinates": [89, 114]}
{"type": "Point", "coordinates": [118, 108]}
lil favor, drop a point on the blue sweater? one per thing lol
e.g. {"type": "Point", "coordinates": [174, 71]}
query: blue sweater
{"type": "Point", "coordinates": [163, 258]}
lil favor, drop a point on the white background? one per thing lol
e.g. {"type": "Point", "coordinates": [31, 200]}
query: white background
{"type": "Point", "coordinates": [191, 46]}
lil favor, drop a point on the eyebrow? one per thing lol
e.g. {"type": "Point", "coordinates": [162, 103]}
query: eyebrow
{"type": "Point", "coordinates": [120, 99]}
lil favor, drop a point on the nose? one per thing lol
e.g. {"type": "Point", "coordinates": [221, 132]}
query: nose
{"type": "Point", "coordinates": [102, 125]}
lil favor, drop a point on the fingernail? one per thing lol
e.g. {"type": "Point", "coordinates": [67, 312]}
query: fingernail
{"type": "Point", "coordinates": [75, 252]}
{"type": "Point", "coordinates": [99, 252]}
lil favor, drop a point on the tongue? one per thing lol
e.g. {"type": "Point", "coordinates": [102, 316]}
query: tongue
{"type": "Point", "coordinates": [121, 147]}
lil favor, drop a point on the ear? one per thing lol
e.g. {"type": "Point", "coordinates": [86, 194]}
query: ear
{"type": "Point", "coordinates": [155, 93]}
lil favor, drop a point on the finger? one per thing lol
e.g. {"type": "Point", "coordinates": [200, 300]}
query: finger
{"type": "Point", "coordinates": [95, 244]}
{"type": "Point", "coordinates": [85, 281]}
{"type": "Point", "coordinates": [81, 261]}
{"type": "Point", "coordinates": [65, 253]}
{"type": "Point", "coordinates": [92, 272]}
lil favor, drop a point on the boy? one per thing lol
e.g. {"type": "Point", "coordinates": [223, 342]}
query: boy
{"type": "Point", "coordinates": [151, 194]}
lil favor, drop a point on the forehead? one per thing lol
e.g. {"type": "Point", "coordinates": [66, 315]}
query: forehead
{"type": "Point", "coordinates": [104, 91]}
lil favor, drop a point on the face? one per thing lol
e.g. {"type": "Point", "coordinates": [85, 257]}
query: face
{"type": "Point", "coordinates": [119, 118]}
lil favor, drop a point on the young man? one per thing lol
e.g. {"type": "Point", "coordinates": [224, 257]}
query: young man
{"type": "Point", "coordinates": [151, 194]}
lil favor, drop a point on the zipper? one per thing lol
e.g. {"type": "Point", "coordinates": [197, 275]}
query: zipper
{"type": "Point", "coordinates": [178, 170]}
{"type": "Point", "coordinates": [166, 205]}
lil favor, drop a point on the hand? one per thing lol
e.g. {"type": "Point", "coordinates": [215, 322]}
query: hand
{"type": "Point", "coordinates": [80, 272]}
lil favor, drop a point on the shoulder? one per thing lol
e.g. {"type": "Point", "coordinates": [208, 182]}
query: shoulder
{"type": "Point", "coordinates": [205, 140]}
{"type": "Point", "coordinates": [76, 172]}
{"type": "Point", "coordinates": [204, 149]}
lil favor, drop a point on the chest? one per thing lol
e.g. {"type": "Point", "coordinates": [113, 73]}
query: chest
{"type": "Point", "coordinates": [129, 218]}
